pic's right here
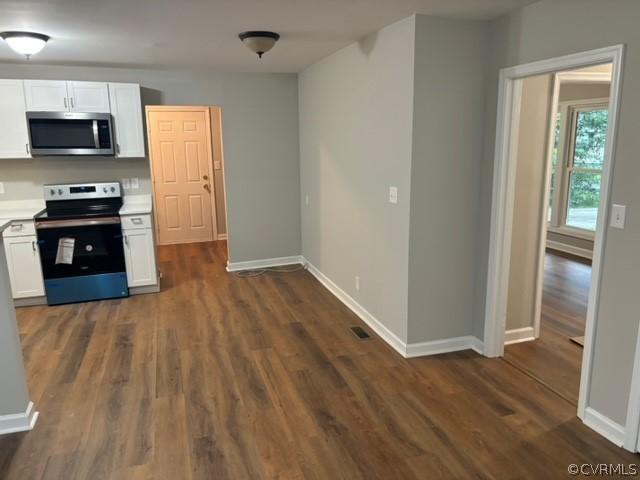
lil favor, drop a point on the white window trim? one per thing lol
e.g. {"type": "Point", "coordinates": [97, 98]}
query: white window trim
{"type": "Point", "coordinates": [568, 111]}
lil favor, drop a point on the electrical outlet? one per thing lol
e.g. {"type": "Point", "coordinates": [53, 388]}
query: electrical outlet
{"type": "Point", "coordinates": [135, 184]}
{"type": "Point", "coordinates": [393, 194]}
{"type": "Point", "coordinates": [217, 165]}
{"type": "Point", "coordinates": [1, 188]}
{"type": "Point", "coordinates": [357, 282]}
{"type": "Point", "coordinates": [306, 200]}
{"type": "Point", "coordinates": [126, 183]}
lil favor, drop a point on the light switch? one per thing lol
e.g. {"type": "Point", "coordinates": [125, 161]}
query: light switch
{"type": "Point", "coordinates": [134, 183]}
{"type": "Point", "coordinates": [306, 200]}
{"type": "Point", "coordinates": [126, 183]}
{"type": "Point", "coordinates": [618, 213]}
{"type": "Point", "coordinates": [217, 165]}
{"type": "Point", "coordinates": [393, 194]}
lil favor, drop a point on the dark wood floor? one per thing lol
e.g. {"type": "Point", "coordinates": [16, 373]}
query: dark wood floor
{"type": "Point", "coordinates": [553, 358]}
{"type": "Point", "coordinates": [220, 377]}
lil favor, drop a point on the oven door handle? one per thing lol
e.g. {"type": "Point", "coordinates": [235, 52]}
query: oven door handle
{"type": "Point", "coordinates": [77, 223]}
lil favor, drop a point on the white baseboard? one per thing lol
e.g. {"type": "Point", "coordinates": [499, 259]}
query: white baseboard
{"type": "Point", "coordinates": [387, 335]}
{"type": "Point", "coordinates": [518, 335]}
{"type": "Point", "coordinates": [604, 426]}
{"type": "Point", "coordinates": [563, 247]}
{"type": "Point", "coordinates": [19, 422]}
{"type": "Point", "coordinates": [222, 236]}
{"type": "Point", "coordinates": [265, 263]}
{"type": "Point", "coordinates": [404, 349]}
{"type": "Point", "coordinates": [444, 346]}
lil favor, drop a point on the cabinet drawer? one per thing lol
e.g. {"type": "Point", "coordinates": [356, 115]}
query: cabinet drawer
{"type": "Point", "coordinates": [20, 228]}
{"type": "Point", "coordinates": [129, 222]}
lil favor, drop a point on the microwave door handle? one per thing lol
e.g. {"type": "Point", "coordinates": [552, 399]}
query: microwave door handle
{"type": "Point", "coordinates": [96, 138]}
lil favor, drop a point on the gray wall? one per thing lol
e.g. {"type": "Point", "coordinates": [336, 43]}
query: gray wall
{"type": "Point", "coordinates": [547, 29]}
{"type": "Point", "coordinates": [355, 141]}
{"type": "Point", "coordinates": [14, 397]}
{"type": "Point", "coordinates": [533, 131]}
{"type": "Point", "coordinates": [260, 133]}
{"type": "Point", "coordinates": [447, 149]}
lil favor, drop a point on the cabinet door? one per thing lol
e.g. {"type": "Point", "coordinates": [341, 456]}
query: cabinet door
{"type": "Point", "coordinates": [88, 97]}
{"type": "Point", "coordinates": [14, 139]}
{"type": "Point", "coordinates": [23, 260]}
{"type": "Point", "coordinates": [46, 95]}
{"type": "Point", "coordinates": [139, 257]}
{"type": "Point", "coordinates": [126, 110]}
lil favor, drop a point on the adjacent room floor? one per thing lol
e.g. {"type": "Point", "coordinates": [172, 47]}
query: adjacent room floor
{"type": "Point", "coordinates": [553, 358]}
{"type": "Point", "coordinates": [221, 377]}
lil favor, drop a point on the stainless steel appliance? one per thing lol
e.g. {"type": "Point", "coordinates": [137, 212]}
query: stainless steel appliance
{"type": "Point", "coordinates": [70, 133]}
{"type": "Point", "coordinates": [80, 239]}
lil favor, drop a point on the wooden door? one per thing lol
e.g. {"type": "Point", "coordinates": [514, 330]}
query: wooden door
{"type": "Point", "coordinates": [180, 146]}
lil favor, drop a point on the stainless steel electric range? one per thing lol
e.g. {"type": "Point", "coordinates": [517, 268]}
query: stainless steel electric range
{"type": "Point", "coordinates": [80, 239]}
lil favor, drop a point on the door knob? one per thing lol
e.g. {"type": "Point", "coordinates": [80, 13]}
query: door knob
{"type": "Point", "coordinates": [205, 177]}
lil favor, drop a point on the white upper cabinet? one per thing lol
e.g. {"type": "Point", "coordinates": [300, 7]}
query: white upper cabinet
{"type": "Point", "coordinates": [14, 139]}
{"type": "Point", "coordinates": [46, 95]}
{"type": "Point", "coordinates": [62, 96]}
{"type": "Point", "coordinates": [88, 97]}
{"type": "Point", "coordinates": [126, 110]}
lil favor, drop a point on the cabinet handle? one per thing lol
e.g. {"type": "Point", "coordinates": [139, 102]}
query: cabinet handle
{"type": "Point", "coordinates": [16, 226]}
{"type": "Point", "coordinates": [136, 221]}
{"type": "Point", "coordinates": [33, 245]}
{"type": "Point", "coordinates": [65, 103]}
{"type": "Point", "coordinates": [117, 148]}
{"type": "Point", "coordinates": [26, 146]}
{"type": "Point", "coordinates": [126, 240]}
{"type": "Point", "coordinates": [72, 102]}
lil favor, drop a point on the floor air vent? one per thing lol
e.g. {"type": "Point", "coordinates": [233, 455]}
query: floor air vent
{"type": "Point", "coordinates": [360, 333]}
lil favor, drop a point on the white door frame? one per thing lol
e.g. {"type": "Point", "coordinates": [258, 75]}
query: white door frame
{"type": "Point", "coordinates": [509, 94]}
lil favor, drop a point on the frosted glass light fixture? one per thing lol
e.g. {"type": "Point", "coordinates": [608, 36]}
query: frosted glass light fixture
{"type": "Point", "coordinates": [25, 43]}
{"type": "Point", "coordinates": [259, 42]}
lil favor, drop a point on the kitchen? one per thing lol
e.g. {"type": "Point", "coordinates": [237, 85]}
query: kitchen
{"type": "Point", "coordinates": [73, 238]}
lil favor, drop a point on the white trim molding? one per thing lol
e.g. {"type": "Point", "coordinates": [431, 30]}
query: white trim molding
{"type": "Point", "coordinates": [19, 422]}
{"type": "Point", "coordinates": [222, 236]}
{"type": "Point", "coordinates": [447, 345]}
{"type": "Point", "coordinates": [264, 263]}
{"type": "Point", "coordinates": [383, 332]}
{"type": "Point", "coordinates": [503, 199]}
{"type": "Point", "coordinates": [604, 426]}
{"type": "Point", "coordinates": [572, 249]}
{"type": "Point", "coordinates": [410, 350]}
{"type": "Point", "coordinates": [519, 335]}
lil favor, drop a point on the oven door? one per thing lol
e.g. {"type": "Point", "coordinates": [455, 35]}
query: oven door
{"type": "Point", "coordinates": [82, 259]}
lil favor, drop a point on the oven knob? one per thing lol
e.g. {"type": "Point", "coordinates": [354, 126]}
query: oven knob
{"type": "Point", "coordinates": [52, 191]}
{"type": "Point", "coordinates": [104, 189]}
{"type": "Point", "coordinates": [59, 191]}
{"type": "Point", "coordinates": [113, 189]}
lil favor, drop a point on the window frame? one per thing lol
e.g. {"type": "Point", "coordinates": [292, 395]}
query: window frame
{"type": "Point", "coordinates": [568, 111]}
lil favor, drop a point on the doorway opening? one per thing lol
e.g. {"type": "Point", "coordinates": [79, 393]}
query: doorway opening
{"type": "Point", "coordinates": [504, 195]}
{"type": "Point", "coordinates": [187, 173]}
{"type": "Point", "coordinates": [559, 160]}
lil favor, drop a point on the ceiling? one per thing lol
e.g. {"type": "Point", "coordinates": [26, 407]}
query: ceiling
{"type": "Point", "coordinates": [203, 33]}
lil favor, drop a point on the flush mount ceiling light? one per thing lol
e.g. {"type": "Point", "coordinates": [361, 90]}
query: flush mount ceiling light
{"type": "Point", "coordinates": [259, 42]}
{"type": "Point", "coordinates": [25, 43]}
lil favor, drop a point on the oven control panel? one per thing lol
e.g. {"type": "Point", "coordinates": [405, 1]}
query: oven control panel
{"type": "Point", "coordinates": [82, 191]}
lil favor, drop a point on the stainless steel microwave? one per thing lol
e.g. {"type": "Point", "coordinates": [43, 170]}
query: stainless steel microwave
{"type": "Point", "coordinates": [70, 133]}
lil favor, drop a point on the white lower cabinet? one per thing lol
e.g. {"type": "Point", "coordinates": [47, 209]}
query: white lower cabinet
{"type": "Point", "coordinates": [23, 260]}
{"type": "Point", "coordinates": [140, 256]}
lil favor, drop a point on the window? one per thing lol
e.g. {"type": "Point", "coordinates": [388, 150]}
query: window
{"type": "Point", "coordinates": [576, 175]}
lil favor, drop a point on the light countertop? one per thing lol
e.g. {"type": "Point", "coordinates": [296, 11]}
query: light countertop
{"type": "Point", "coordinates": [11, 211]}
{"type": "Point", "coordinates": [136, 205]}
